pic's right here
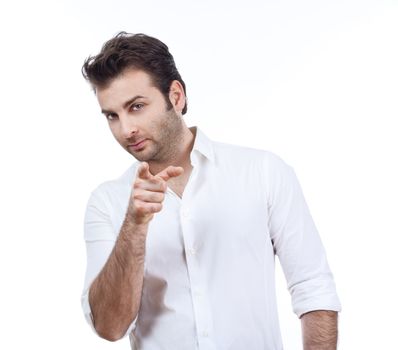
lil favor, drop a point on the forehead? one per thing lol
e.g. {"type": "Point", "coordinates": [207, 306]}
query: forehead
{"type": "Point", "coordinates": [125, 86]}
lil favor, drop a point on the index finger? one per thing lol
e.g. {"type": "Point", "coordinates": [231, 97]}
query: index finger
{"type": "Point", "coordinates": [170, 171]}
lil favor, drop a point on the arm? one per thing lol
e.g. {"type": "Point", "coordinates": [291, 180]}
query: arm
{"type": "Point", "coordinates": [319, 330]}
{"type": "Point", "coordinates": [115, 294]}
{"type": "Point", "coordinates": [303, 258]}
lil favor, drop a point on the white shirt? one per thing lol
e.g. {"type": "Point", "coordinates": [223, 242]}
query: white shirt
{"type": "Point", "coordinates": [209, 266]}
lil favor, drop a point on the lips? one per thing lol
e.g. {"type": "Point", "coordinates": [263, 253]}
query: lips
{"type": "Point", "coordinates": [136, 144]}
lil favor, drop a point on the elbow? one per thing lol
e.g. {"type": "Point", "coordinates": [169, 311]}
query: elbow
{"type": "Point", "coordinates": [112, 330]}
{"type": "Point", "coordinates": [112, 326]}
{"type": "Point", "coordinates": [109, 334]}
{"type": "Point", "coordinates": [108, 330]}
{"type": "Point", "coordinates": [111, 337]}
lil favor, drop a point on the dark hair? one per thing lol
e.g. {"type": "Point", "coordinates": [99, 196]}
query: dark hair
{"type": "Point", "coordinates": [137, 51]}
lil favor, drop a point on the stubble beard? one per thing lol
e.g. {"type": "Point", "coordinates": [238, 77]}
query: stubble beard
{"type": "Point", "coordinates": [164, 148]}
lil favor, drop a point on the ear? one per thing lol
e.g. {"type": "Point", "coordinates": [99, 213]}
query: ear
{"type": "Point", "coordinates": [177, 95]}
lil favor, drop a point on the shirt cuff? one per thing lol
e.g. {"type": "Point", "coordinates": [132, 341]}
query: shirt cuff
{"type": "Point", "coordinates": [315, 295]}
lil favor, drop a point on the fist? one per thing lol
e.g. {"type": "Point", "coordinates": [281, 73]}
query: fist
{"type": "Point", "coordinates": [149, 191]}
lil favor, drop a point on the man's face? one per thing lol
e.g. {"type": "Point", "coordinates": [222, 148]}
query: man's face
{"type": "Point", "coordinates": [138, 118]}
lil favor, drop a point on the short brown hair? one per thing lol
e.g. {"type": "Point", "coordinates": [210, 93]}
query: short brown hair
{"type": "Point", "coordinates": [137, 51]}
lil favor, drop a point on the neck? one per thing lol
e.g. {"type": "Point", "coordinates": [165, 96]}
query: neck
{"type": "Point", "coordinates": [181, 157]}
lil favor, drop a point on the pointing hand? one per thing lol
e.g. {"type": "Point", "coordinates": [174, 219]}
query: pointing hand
{"type": "Point", "coordinates": [149, 191]}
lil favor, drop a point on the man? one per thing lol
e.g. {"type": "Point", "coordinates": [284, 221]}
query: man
{"type": "Point", "coordinates": [180, 248]}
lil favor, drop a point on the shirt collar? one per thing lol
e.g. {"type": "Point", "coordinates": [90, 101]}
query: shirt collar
{"type": "Point", "coordinates": [202, 145]}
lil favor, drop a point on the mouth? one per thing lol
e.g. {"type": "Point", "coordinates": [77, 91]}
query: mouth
{"type": "Point", "coordinates": [137, 145]}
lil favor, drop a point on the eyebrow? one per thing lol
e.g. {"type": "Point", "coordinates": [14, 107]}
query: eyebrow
{"type": "Point", "coordinates": [125, 104]}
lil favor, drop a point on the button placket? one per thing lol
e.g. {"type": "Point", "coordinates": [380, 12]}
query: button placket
{"type": "Point", "coordinates": [185, 213]}
{"type": "Point", "coordinates": [201, 311]}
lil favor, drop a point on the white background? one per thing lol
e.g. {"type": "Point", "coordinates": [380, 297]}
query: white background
{"type": "Point", "coordinates": [314, 81]}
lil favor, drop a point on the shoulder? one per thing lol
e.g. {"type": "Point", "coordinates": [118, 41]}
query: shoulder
{"type": "Point", "coordinates": [243, 155]}
{"type": "Point", "coordinates": [255, 166]}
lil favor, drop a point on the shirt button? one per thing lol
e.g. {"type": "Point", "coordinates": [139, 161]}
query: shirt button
{"type": "Point", "coordinates": [185, 213]}
{"type": "Point", "coordinates": [191, 251]}
{"type": "Point", "coordinates": [205, 334]}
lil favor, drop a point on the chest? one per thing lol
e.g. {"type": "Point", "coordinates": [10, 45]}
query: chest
{"type": "Point", "coordinates": [178, 184]}
{"type": "Point", "coordinates": [214, 218]}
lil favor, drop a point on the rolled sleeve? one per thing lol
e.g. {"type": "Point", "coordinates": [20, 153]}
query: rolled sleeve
{"type": "Point", "coordinates": [100, 239]}
{"type": "Point", "coordinates": [298, 245]}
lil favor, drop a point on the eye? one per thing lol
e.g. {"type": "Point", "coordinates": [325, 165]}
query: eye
{"type": "Point", "coordinates": [137, 106]}
{"type": "Point", "coordinates": [110, 116]}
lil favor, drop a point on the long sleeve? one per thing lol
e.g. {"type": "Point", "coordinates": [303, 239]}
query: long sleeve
{"type": "Point", "coordinates": [298, 245]}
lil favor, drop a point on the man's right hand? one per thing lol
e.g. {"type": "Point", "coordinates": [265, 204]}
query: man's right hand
{"type": "Point", "coordinates": [149, 191]}
{"type": "Point", "coordinates": [115, 294]}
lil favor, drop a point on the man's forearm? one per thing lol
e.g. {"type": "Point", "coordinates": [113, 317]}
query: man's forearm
{"type": "Point", "coordinates": [319, 330]}
{"type": "Point", "coordinates": [115, 294]}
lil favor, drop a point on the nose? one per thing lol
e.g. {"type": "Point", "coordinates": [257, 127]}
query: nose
{"type": "Point", "coordinates": [127, 127]}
